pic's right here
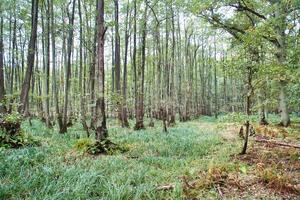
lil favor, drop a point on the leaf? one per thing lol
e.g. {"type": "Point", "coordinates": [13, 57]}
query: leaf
{"type": "Point", "coordinates": [243, 169]}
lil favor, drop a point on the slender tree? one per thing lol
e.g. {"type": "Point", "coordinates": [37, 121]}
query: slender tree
{"type": "Point", "coordinates": [63, 128]}
{"type": "Point", "coordinates": [30, 57]}
{"type": "Point", "coordinates": [100, 117]}
{"type": "Point", "coordinates": [2, 90]}
{"type": "Point", "coordinates": [141, 72]}
{"type": "Point", "coordinates": [124, 88]}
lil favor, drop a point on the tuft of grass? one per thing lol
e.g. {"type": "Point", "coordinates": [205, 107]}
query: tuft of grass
{"type": "Point", "coordinates": [83, 144]}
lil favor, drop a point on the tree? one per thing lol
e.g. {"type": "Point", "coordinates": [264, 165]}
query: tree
{"type": "Point", "coordinates": [118, 61]}
{"type": "Point", "coordinates": [124, 89]}
{"type": "Point", "coordinates": [141, 74]}
{"type": "Point", "coordinates": [2, 90]}
{"type": "Point", "coordinates": [274, 27]}
{"type": "Point", "coordinates": [64, 127]}
{"type": "Point", "coordinates": [30, 57]}
{"type": "Point", "coordinates": [100, 117]}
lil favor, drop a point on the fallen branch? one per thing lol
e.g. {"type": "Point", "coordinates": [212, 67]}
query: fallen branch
{"type": "Point", "coordinates": [277, 143]}
{"type": "Point", "coordinates": [220, 193]}
{"type": "Point", "coordinates": [166, 187]}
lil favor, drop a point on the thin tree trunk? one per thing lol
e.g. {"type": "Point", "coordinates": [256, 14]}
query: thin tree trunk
{"type": "Point", "coordinates": [54, 85]}
{"type": "Point", "coordinates": [68, 71]}
{"type": "Point", "coordinates": [172, 84]}
{"type": "Point", "coordinates": [81, 74]}
{"type": "Point", "coordinates": [30, 57]}
{"type": "Point", "coordinates": [117, 60]}
{"type": "Point", "coordinates": [134, 60]}
{"type": "Point", "coordinates": [2, 88]}
{"type": "Point", "coordinates": [100, 117]}
{"type": "Point", "coordinates": [140, 107]}
{"type": "Point", "coordinates": [124, 91]}
{"type": "Point", "coordinates": [47, 67]}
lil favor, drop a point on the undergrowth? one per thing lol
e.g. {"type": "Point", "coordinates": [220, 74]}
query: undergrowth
{"type": "Point", "coordinates": [11, 133]}
{"type": "Point", "coordinates": [60, 168]}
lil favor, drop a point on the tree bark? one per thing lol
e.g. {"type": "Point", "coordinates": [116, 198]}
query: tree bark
{"type": "Point", "coordinates": [124, 91]}
{"type": "Point", "coordinates": [134, 60]}
{"type": "Point", "coordinates": [53, 42]}
{"type": "Point", "coordinates": [172, 83]}
{"type": "Point", "coordinates": [2, 88]}
{"type": "Point", "coordinates": [64, 127]}
{"type": "Point", "coordinates": [100, 117]}
{"type": "Point", "coordinates": [140, 107]}
{"type": "Point", "coordinates": [30, 57]}
{"type": "Point", "coordinates": [117, 61]}
{"type": "Point", "coordinates": [47, 67]}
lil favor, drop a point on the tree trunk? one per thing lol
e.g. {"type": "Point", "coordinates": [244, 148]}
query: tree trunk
{"type": "Point", "coordinates": [281, 56]}
{"type": "Point", "coordinates": [30, 58]}
{"type": "Point", "coordinates": [2, 89]}
{"type": "Point", "coordinates": [134, 60]}
{"type": "Point", "coordinates": [172, 83]}
{"type": "Point", "coordinates": [47, 67]}
{"type": "Point", "coordinates": [54, 85]}
{"type": "Point", "coordinates": [285, 118]}
{"type": "Point", "coordinates": [248, 104]}
{"type": "Point", "coordinates": [215, 79]}
{"type": "Point", "coordinates": [117, 60]}
{"type": "Point", "coordinates": [140, 107]}
{"type": "Point", "coordinates": [100, 117]}
{"type": "Point", "coordinates": [124, 91]}
{"type": "Point", "coordinates": [68, 71]}
{"type": "Point", "coordinates": [81, 74]}
{"type": "Point", "coordinates": [261, 108]}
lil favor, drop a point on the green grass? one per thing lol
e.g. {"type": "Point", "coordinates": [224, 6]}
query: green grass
{"type": "Point", "coordinates": [55, 170]}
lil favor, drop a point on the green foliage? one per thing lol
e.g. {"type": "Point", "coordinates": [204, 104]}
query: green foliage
{"type": "Point", "coordinates": [18, 140]}
{"type": "Point", "coordinates": [99, 147]}
{"type": "Point", "coordinates": [83, 144]}
{"type": "Point", "coordinates": [12, 135]}
{"type": "Point", "coordinates": [13, 118]}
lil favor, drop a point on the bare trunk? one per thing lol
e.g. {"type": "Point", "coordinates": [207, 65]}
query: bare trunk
{"type": "Point", "coordinates": [100, 118]}
{"type": "Point", "coordinates": [47, 67]}
{"type": "Point", "coordinates": [68, 71]}
{"type": "Point", "coordinates": [2, 90]}
{"type": "Point", "coordinates": [124, 91]}
{"type": "Point", "coordinates": [285, 118]}
{"type": "Point", "coordinates": [30, 58]}
{"type": "Point", "coordinates": [140, 107]}
{"type": "Point", "coordinates": [117, 60]}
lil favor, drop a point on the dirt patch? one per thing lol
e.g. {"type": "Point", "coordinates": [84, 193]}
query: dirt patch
{"type": "Point", "coordinates": [229, 131]}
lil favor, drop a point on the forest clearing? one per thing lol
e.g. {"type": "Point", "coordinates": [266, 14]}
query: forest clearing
{"type": "Point", "coordinates": [149, 99]}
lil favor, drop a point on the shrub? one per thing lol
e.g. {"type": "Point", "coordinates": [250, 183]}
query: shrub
{"type": "Point", "coordinates": [98, 147]}
{"type": "Point", "coordinates": [83, 144]}
{"type": "Point", "coordinates": [11, 134]}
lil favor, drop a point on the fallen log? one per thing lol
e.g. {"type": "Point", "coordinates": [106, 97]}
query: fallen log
{"type": "Point", "coordinates": [277, 143]}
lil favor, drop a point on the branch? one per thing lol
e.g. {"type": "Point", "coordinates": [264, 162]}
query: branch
{"type": "Point", "coordinates": [244, 7]}
{"type": "Point", "coordinates": [277, 143]}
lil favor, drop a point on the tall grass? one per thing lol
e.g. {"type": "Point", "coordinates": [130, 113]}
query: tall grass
{"type": "Point", "coordinates": [55, 170]}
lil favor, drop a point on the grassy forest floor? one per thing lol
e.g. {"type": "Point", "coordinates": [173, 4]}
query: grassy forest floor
{"type": "Point", "coordinates": [194, 160]}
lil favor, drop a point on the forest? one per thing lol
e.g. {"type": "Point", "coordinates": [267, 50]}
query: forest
{"type": "Point", "coordinates": [149, 99]}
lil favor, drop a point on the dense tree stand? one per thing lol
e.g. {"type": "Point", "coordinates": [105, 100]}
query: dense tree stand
{"type": "Point", "coordinates": [188, 60]}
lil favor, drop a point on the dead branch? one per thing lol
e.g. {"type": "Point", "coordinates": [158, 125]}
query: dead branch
{"type": "Point", "coordinates": [166, 187]}
{"type": "Point", "coordinates": [220, 193]}
{"type": "Point", "coordinates": [277, 143]}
